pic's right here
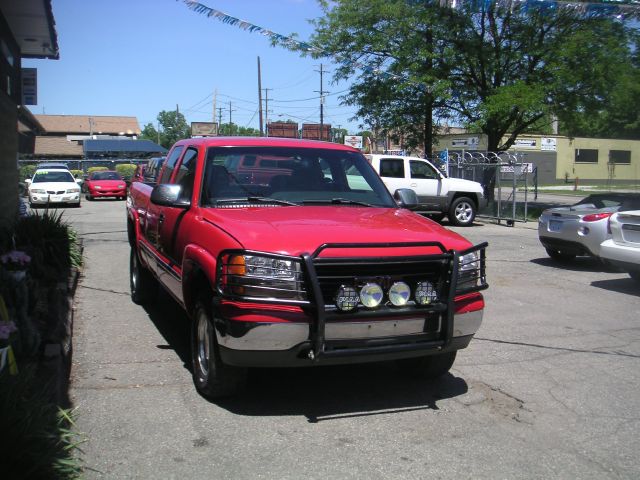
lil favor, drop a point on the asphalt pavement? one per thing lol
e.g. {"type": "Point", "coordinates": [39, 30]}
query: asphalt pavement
{"type": "Point", "coordinates": [548, 389]}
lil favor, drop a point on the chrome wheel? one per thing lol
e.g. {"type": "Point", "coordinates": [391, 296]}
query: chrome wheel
{"type": "Point", "coordinates": [203, 352]}
{"type": "Point", "coordinates": [462, 212]}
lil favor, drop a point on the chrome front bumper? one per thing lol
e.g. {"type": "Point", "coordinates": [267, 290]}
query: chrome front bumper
{"type": "Point", "coordinates": [285, 336]}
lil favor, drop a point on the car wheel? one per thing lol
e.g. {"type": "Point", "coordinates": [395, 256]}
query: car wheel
{"type": "Point", "coordinates": [88, 197]}
{"type": "Point", "coordinates": [559, 255]}
{"type": "Point", "coordinates": [462, 212]}
{"type": "Point", "coordinates": [141, 282]}
{"type": "Point", "coordinates": [212, 378]}
{"type": "Point", "coordinates": [432, 366]}
{"type": "Point", "coordinates": [635, 275]}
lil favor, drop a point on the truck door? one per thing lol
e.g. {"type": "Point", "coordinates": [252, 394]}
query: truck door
{"type": "Point", "coordinates": [426, 182]}
{"type": "Point", "coordinates": [153, 212]}
{"type": "Point", "coordinates": [169, 222]}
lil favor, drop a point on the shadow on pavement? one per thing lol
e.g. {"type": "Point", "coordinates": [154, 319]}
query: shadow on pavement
{"type": "Point", "coordinates": [578, 264]}
{"type": "Point", "coordinates": [338, 392]}
{"type": "Point", "coordinates": [319, 393]}
{"type": "Point", "coordinates": [626, 285]}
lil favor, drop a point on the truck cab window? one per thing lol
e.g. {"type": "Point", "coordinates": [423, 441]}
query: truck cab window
{"type": "Point", "coordinates": [392, 167]}
{"type": "Point", "coordinates": [186, 172]}
{"type": "Point", "coordinates": [171, 163]}
{"type": "Point", "coordinates": [422, 170]}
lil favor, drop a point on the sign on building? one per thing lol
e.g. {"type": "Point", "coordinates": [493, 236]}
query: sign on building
{"type": "Point", "coordinates": [548, 144]}
{"type": "Point", "coordinates": [525, 143]}
{"type": "Point", "coordinates": [354, 141]}
{"type": "Point", "coordinates": [469, 143]}
{"type": "Point", "coordinates": [29, 86]}
{"type": "Point", "coordinates": [204, 129]}
{"type": "Point", "coordinates": [518, 168]}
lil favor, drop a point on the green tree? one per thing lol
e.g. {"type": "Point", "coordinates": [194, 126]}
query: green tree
{"type": "Point", "coordinates": [149, 133]}
{"type": "Point", "coordinates": [173, 127]}
{"type": "Point", "coordinates": [500, 68]}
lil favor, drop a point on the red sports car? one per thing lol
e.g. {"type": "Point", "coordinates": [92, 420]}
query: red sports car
{"type": "Point", "coordinates": [105, 184]}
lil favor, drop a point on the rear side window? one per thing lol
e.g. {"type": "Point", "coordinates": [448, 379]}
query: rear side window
{"type": "Point", "coordinates": [171, 163]}
{"type": "Point", "coordinates": [392, 167]}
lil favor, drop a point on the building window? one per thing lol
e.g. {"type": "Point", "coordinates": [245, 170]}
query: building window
{"type": "Point", "coordinates": [620, 156]}
{"type": "Point", "coordinates": [586, 155]}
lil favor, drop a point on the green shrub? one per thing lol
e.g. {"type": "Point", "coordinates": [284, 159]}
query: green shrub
{"type": "Point", "coordinates": [77, 173]}
{"type": "Point", "coordinates": [38, 437]}
{"type": "Point", "coordinates": [126, 169]}
{"type": "Point", "coordinates": [96, 169]}
{"type": "Point", "coordinates": [26, 171]}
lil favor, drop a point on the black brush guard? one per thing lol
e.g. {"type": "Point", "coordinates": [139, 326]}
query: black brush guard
{"type": "Point", "coordinates": [450, 285]}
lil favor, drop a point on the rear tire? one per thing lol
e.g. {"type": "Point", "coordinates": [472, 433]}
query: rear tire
{"type": "Point", "coordinates": [432, 366]}
{"type": "Point", "coordinates": [559, 255]}
{"type": "Point", "coordinates": [143, 285]}
{"type": "Point", "coordinates": [462, 212]}
{"type": "Point", "coordinates": [212, 378]}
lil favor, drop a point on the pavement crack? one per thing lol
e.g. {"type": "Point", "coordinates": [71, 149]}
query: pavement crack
{"type": "Point", "coordinates": [104, 290]}
{"type": "Point", "coordinates": [560, 349]}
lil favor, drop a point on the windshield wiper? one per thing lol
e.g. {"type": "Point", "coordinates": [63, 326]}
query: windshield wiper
{"type": "Point", "coordinates": [339, 201]}
{"type": "Point", "coordinates": [254, 200]}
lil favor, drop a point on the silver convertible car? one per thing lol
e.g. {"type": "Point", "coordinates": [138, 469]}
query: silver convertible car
{"type": "Point", "coordinates": [580, 229]}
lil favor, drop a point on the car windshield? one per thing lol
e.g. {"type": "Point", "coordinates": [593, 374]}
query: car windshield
{"type": "Point", "coordinates": [105, 176]}
{"type": "Point", "coordinates": [288, 175]}
{"type": "Point", "coordinates": [618, 202]}
{"type": "Point", "coordinates": [42, 176]}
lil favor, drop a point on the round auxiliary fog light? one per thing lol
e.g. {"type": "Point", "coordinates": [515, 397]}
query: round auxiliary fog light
{"type": "Point", "coordinates": [347, 298]}
{"type": "Point", "coordinates": [399, 294]}
{"type": "Point", "coordinates": [425, 293]}
{"type": "Point", "coordinates": [371, 295]}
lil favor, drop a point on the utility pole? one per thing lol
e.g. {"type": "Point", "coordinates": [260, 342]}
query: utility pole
{"type": "Point", "coordinates": [230, 123]}
{"type": "Point", "coordinates": [321, 92]}
{"type": "Point", "coordinates": [213, 110]}
{"type": "Point", "coordinates": [260, 98]}
{"type": "Point", "coordinates": [266, 108]}
{"type": "Point", "coordinates": [177, 110]}
{"type": "Point", "coordinates": [219, 118]}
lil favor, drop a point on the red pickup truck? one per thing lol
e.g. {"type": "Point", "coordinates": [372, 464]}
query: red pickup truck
{"type": "Point", "coordinates": [310, 261]}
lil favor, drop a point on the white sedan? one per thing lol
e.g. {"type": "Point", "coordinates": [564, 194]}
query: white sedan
{"type": "Point", "coordinates": [54, 185]}
{"type": "Point", "coordinates": [623, 249]}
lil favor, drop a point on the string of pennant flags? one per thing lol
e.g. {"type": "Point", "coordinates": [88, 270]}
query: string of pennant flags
{"type": "Point", "coordinates": [620, 9]}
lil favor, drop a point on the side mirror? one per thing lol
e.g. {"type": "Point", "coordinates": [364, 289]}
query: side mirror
{"type": "Point", "coordinates": [27, 181]}
{"type": "Point", "coordinates": [406, 198]}
{"type": "Point", "coordinates": [168, 195]}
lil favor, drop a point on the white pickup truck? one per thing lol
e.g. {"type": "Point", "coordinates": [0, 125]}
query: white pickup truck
{"type": "Point", "coordinates": [438, 195]}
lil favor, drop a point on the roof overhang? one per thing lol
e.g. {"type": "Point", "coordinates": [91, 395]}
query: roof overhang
{"type": "Point", "coordinates": [33, 27]}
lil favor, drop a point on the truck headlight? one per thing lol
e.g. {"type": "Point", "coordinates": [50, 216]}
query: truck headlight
{"type": "Point", "coordinates": [262, 276]}
{"type": "Point", "coordinates": [468, 271]}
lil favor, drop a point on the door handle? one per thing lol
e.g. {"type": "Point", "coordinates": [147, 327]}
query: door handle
{"type": "Point", "coordinates": [413, 185]}
{"type": "Point", "coordinates": [161, 218]}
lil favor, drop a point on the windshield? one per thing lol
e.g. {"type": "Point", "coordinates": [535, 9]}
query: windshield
{"type": "Point", "coordinates": [290, 175]}
{"type": "Point", "coordinates": [105, 176]}
{"type": "Point", "coordinates": [42, 176]}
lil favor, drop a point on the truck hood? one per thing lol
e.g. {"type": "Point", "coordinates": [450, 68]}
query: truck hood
{"type": "Point", "coordinates": [297, 230]}
{"type": "Point", "coordinates": [462, 185]}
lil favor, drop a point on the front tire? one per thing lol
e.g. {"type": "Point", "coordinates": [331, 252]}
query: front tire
{"type": "Point", "coordinates": [212, 378]}
{"type": "Point", "coordinates": [88, 197]}
{"type": "Point", "coordinates": [462, 212]}
{"type": "Point", "coordinates": [429, 367]}
{"type": "Point", "coordinates": [143, 285]}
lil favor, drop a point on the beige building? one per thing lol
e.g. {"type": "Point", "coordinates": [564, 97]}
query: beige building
{"type": "Point", "coordinates": [560, 159]}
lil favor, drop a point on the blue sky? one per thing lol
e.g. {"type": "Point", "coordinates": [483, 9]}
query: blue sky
{"type": "Point", "coordinates": [138, 57]}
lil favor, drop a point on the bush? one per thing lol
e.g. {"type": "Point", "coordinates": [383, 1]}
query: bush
{"type": "Point", "coordinates": [26, 171]}
{"type": "Point", "coordinates": [77, 173]}
{"type": "Point", "coordinates": [38, 441]}
{"type": "Point", "coordinates": [97, 169]}
{"type": "Point", "coordinates": [126, 170]}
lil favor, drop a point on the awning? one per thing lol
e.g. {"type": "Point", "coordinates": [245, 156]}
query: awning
{"type": "Point", "coordinates": [121, 147]}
